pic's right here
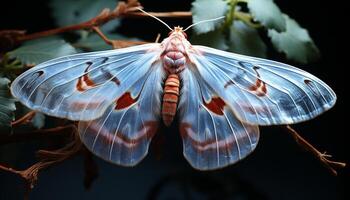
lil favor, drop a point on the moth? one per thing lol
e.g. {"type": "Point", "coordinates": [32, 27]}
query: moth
{"type": "Point", "coordinates": [120, 98]}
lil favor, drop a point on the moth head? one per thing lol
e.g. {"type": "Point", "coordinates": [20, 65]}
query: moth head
{"type": "Point", "coordinates": [178, 31]}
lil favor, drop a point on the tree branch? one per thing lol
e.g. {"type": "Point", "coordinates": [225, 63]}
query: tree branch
{"type": "Point", "coordinates": [116, 43]}
{"type": "Point", "coordinates": [176, 14]}
{"type": "Point", "coordinates": [322, 157]}
{"type": "Point", "coordinates": [129, 9]}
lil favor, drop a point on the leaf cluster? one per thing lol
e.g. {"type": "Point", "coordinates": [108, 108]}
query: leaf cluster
{"type": "Point", "coordinates": [245, 21]}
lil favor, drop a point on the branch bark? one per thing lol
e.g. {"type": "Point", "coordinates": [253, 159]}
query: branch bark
{"type": "Point", "coordinates": [322, 157]}
{"type": "Point", "coordinates": [25, 119]}
{"type": "Point", "coordinates": [129, 9]}
{"type": "Point", "coordinates": [116, 43]}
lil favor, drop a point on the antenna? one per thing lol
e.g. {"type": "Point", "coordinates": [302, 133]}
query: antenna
{"type": "Point", "coordinates": [203, 21]}
{"type": "Point", "coordinates": [155, 18]}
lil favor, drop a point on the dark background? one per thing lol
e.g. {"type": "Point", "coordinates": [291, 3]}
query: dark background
{"type": "Point", "coordinates": [278, 169]}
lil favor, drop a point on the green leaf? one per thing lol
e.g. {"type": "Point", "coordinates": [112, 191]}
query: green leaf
{"type": "Point", "coordinates": [93, 42]}
{"type": "Point", "coordinates": [215, 39]}
{"type": "Point", "coordinates": [68, 12]}
{"type": "Point", "coordinates": [40, 50]}
{"type": "Point", "coordinates": [295, 42]}
{"type": "Point", "coordinates": [267, 13]}
{"type": "Point", "coordinates": [246, 40]}
{"type": "Point", "coordinates": [7, 103]}
{"type": "Point", "coordinates": [208, 9]}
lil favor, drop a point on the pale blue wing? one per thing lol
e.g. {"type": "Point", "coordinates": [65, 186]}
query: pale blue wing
{"type": "Point", "coordinates": [88, 82]}
{"type": "Point", "coordinates": [123, 133]}
{"type": "Point", "coordinates": [261, 91]}
{"type": "Point", "coordinates": [213, 137]}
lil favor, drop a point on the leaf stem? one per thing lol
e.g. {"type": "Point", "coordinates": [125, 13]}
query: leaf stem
{"type": "Point", "coordinates": [230, 14]}
{"type": "Point", "coordinates": [247, 19]}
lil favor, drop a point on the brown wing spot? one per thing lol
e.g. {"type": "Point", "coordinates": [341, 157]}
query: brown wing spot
{"type": "Point", "coordinates": [125, 101]}
{"type": "Point", "coordinates": [216, 105]}
{"type": "Point", "coordinates": [84, 82]}
{"type": "Point", "coordinates": [260, 86]}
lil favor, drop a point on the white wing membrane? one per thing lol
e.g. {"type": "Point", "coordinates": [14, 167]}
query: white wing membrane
{"type": "Point", "coordinates": [116, 96]}
{"type": "Point", "coordinates": [88, 82]}
{"type": "Point", "coordinates": [260, 91]}
{"type": "Point", "coordinates": [213, 137]}
{"type": "Point", "coordinates": [123, 133]}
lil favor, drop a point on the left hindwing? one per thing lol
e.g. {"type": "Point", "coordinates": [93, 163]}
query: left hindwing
{"type": "Point", "coordinates": [123, 133]}
{"type": "Point", "coordinates": [261, 91]}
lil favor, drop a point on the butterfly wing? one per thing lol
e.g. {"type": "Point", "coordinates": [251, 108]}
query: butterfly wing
{"type": "Point", "coordinates": [89, 82]}
{"type": "Point", "coordinates": [213, 137]}
{"type": "Point", "coordinates": [123, 133]}
{"type": "Point", "coordinates": [261, 91]}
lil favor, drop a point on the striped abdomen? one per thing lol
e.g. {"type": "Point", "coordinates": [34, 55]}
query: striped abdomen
{"type": "Point", "coordinates": [170, 98]}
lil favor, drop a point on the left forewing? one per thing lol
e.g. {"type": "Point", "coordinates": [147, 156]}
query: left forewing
{"type": "Point", "coordinates": [88, 82]}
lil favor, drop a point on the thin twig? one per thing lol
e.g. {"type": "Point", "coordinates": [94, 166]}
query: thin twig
{"type": "Point", "coordinates": [25, 119]}
{"type": "Point", "coordinates": [116, 43]}
{"type": "Point", "coordinates": [322, 157]}
{"type": "Point", "coordinates": [47, 159]}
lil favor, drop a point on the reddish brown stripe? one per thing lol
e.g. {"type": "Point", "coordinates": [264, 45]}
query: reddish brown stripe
{"type": "Point", "coordinates": [207, 145]}
{"type": "Point", "coordinates": [77, 105]}
{"type": "Point", "coordinates": [170, 98]}
{"type": "Point", "coordinates": [145, 132]}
